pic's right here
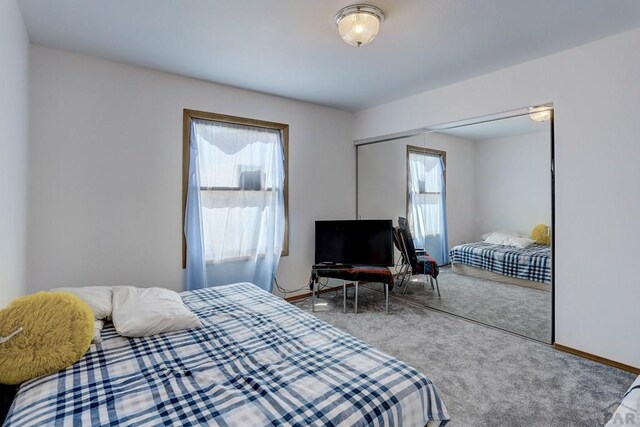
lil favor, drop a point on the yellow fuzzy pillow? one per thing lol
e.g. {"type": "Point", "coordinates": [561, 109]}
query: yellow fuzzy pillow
{"type": "Point", "coordinates": [541, 234]}
{"type": "Point", "coordinates": [41, 334]}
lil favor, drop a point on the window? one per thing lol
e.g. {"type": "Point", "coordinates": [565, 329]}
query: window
{"type": "Point", "coordinates": [426, 210]}
{"type": "Point", "coordinates": [242, 168]}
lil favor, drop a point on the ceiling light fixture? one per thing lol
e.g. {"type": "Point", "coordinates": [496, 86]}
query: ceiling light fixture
{"type": "Point", "coordinates": [359, 24]}
{"type": "Point", "coordinates": [541, 113]}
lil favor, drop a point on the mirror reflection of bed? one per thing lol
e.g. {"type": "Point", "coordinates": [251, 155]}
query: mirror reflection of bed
{"type": "Point", "coordinates": [477, 196]}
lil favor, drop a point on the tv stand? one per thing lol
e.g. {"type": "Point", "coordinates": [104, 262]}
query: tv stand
{"type": "Point", "coordinates": [350, 274]}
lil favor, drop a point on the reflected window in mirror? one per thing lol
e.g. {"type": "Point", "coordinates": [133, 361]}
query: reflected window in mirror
{"type": "Point", "coordinates": [426, 202]}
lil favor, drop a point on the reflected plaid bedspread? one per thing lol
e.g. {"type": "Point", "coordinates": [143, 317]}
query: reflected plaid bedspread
{"type": "Point", "coordinates": [257, 361]}
{"type": "Point", "coordinates": [532, 263]}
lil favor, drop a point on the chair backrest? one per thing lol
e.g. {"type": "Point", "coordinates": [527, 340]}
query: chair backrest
{"type": "Point", "coordinates": [407, 242]}
{"type": "Point", "coordinates": [397, 242]}
{"type": "Point", "coordinates": [396, 239]}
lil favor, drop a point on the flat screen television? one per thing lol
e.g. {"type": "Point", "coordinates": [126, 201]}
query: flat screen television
{"type": "Point", "coordinates": [355, 242]}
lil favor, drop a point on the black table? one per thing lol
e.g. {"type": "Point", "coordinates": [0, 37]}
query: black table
{"type": "Point", "coordinates": [351, 274]}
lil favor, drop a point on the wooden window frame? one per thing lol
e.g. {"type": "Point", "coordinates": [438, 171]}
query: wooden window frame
{"type": "Point", "coordinates": [188, 115]}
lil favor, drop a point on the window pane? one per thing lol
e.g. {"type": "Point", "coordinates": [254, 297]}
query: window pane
{"type": "Point", "coordinates": [425, 184]}
{"type": "Point", "coordinates": [241, 171]}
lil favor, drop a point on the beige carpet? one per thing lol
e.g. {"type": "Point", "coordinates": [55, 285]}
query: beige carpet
{"type": "Point", "coordinates": [485, 376]}
{"type": "Point", "coordinates": [524, 311]}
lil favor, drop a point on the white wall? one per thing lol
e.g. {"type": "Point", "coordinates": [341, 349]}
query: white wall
{"type": "Point", "coordinates": [512, 183]}
{"type": "Point", "coordinates": [14, 72]}
{"type": "Point", "coordinates": [382, 181]}
{"type": "Point", "coordinates": [595, 89]}
{"type": "Point", "coordinates": [106, 162]}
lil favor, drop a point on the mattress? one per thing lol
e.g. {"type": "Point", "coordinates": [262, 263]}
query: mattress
{"type": "Point", "coordinates": [532, 263]}
{"type": "Point", "coordinates": [256, 361]}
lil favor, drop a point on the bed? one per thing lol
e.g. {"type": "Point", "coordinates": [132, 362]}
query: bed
{"type": "Point", "coordinates": [257, 361]}
{"type": "Point", "coordinates": [627, 412]}
{"type": "Point", "coordinates": [527, 267]}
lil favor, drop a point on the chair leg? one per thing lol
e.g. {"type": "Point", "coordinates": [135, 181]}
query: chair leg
{"type": "Point", "coordinates": [406, 286]}
{"type": "Point", "coordinates": [437, 286]}
{"type": "Point", "coordinates": [407, 274]}
{"type": "Point", "coordinates": [431, 281]}
{"type": "Point", "coordinates": [386, 298]}
{"type": "Point", "coordinates": [401, 276]}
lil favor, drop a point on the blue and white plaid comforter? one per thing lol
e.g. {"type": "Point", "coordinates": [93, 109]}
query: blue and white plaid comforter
{"type": "Point", "coordinates": [532, 263]}
{"type": "Point", "coordinates": [257, 361]}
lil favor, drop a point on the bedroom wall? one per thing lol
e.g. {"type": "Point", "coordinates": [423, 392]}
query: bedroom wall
{"type": "Point", "coordinates": [14, 76]}
{"type": "Point", "coordinates": [106, 164]}
{"type": "Point", "coordinates": [595, 89]}
{"type": "Point", "coordinates": [382, 181]}
{"type": "Point", "coordinates": [512, 183]}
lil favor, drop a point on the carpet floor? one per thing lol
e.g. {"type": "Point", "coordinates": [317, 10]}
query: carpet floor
{"type": "Point", "coordinates": [518, 309]}
{"type": "Point", "coordinates": [486, 377]}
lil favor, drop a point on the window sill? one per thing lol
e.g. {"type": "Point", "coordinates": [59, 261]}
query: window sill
{"type": "Point", "coordinates": [234, 259]}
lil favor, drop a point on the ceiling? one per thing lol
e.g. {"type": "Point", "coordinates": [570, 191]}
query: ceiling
{"type": "Point", "coordinates": [292, 48]}
{"type": "Point", "coordinates": [502, 128]}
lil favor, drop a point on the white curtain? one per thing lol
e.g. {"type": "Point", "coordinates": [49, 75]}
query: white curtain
{"type": "Point", "coordinates": [427, 204]}
{"type": "Point", "coordinates": [241, 189]}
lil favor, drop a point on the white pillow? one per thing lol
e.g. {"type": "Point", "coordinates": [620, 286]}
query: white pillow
{"type": "Point", "coordinates": [97, 331]}
{"type": "Point", "coordinates": [141, 312]}
{"type": "Point", "coordinates": [98, 298]}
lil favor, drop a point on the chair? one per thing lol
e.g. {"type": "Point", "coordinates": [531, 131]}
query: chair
{"type": "Point", "coordinates": [419, 261]}
{"type": "Point", "coordinates": [404, 265]}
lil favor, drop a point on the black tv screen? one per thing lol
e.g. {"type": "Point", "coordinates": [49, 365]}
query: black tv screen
{"type": "Point", "coordinates": [356, 242]}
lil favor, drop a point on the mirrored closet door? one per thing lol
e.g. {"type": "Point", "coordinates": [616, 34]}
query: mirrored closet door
{"type": "Point", "coordinates": [471, 204]}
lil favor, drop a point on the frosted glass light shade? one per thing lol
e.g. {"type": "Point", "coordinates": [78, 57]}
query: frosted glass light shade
{"type": "Point", "coordinates": [359, 24]}
{"type": "Point", "coordinates": [539, 114]}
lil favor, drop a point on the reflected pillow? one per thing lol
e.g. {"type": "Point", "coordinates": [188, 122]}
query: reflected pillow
{"type": "Point", "coordinates": [498, 238]}
{"type": "Point", "coordinates": [485, 236]}
{"type": "Point", "coordinates": [541, 234]}
{"type": "Point", "coordinates": [518, 242]}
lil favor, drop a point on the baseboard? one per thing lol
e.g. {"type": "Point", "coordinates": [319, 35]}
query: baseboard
{"type": "Point", "coordinates": [598, 359]}
{"type": "Point", "coordinates": [322, 291]}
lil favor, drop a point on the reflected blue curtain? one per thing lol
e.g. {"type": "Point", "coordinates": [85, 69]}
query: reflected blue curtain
{"type": "Point", "coordinates": [196, 267]}
{"type": "Point", "coordinates": [444, 235]}
{"type": "Point", "coordinates": [427, 205]}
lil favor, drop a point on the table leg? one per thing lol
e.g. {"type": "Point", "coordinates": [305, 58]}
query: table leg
{"type": "Point", "coordinates": [344, 296]}
{"type": "Point", "coordinates": [313, 295]}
